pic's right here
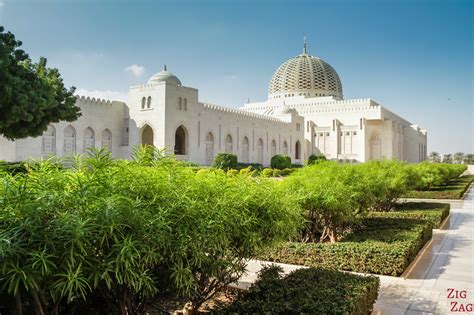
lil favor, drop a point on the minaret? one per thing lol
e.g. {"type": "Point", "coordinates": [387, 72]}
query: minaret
{"type": "Point", "coordinates": [304, 46]}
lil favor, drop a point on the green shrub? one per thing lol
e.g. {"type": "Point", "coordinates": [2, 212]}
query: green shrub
{"type": "Point", "coordinates": [232, 172]}
{"type": "Point", "coordinates": [286, 171]}
{"type": "Point", "coordinates": [247, 171]}
{"type": "Point", "coordinates": [316, 158]}
{"type": "Point", "coordinates": [120, 235]}
{"type": "Point", "coordinates": [307, 291]}
{"type": "Point", "coordinates": [253, 166]}
{"type": "Point", "coordinates": [225, 161]}
{"type": "Point", "coordinates": [266, 172]}
{"type": "Point", "coordinates": [280, 161]}
{"type": "Point", "coordinates": [277, 172]}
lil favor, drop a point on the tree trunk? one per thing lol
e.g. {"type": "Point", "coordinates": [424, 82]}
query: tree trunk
{"type": "Point", "coordinates": [38, 306]}
{"type": "Point", "coordinates": [18, 304]}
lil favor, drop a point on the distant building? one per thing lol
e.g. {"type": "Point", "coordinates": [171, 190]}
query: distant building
{"type": "Point", "coordinates": [305, 114]}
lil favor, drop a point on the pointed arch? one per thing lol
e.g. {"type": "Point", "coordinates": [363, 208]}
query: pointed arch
{"type": "Point", "coordinates": [209, 148]}
{"type": "Point", "coordinates": [245, 150]}
{"type": "Point", "coordinates": [143, 102]}
{"type": "Point", "coordinates": [146, 135]}
{"type": "Point", "coordinates": [106, 139]}
{"type": "Point", "coordinates": [181, 141]}
{"type": "Point", "coordinates": [49, 141]}
{"type": "Point", "coordinates": [69, 146]}
{"type": "Point", "coordinates": [285, 148]}
{"type": "Point", "coordinates": [228, 144]}
{"type": "Point", "coordinates": [298, 150]}
{"type": "Point", "coordinates": [260, 151]}
{"type": "Point", "coordinates": [148, 102]}
{"type": "Point", "coordinates": [375, 143]}
{"type": "Point", "coordinates": [89, 139]}
{"type": "Point", "coordinates": [273, 148]}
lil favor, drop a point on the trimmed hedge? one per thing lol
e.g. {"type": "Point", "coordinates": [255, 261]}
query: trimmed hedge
{"type": "Point", "coordinates": [316, 158]}
{"type": "Point", "coordinates": [454, 189]}
{"type": "Point", "coordinates": [307, 291]}
{"type": "Point", "coordinates": [225, 161]}
{"type": "Point", "coordinates": [280, 161]}
{"type": "Point", "coordinates": [383, 243]}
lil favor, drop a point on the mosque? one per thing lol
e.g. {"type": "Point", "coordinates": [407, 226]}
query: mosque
{"type": "Point", "coordinates": [305, 114]}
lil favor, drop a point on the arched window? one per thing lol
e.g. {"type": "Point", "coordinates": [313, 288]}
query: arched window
{"type": "Point", "coordinates": [148, 103]}
{"type": "Point", "coordinates": [147, 135]}
{"type": "Point", "coordinates": [180, 103]}
{"type": "Point", "coordinates": [143, 102]}
{"type": "Point", "coordinates": [49, 142]}
{"type": "Point", "coordinates": [297, 150]}
{"type": "Point", "coordinates": [185, 104]}
{"type": "Point", "coordinates": [260, 151]}
{"type": "Point", "coordinates": [209, 148]}
{"type": "Point", "coordinates": [245, 150]}
{"type": "Point", "coordinates": [274, 148]}
{"type": "Point", "coordinates": [228, 144]}
{"type": "Point", "coordinates": [89, 139]}
{"type": "Point", "coordinates": [285, 148]}
{"type": "Point", "coordinates": [69, 140]}
{"type": "Point", "coordinates": [375, 143]}
{"type": "Point", "coordinates": [180, 141]}
{"type": "Point", "coordinates": [107, 139]}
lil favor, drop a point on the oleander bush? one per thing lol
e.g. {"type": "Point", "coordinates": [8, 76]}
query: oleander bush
{"type": "Point", "coordinates": [225, 161]}
{"type": "Point", "coordinates": [280, 161]}
{"type": "Point", "coordinates": [307, 291]}
{"type": "Point", "coordinates": [109, 236]}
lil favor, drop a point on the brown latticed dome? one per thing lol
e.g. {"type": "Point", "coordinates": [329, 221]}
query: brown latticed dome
{"type": "Point", "coordinates": [305, 75]}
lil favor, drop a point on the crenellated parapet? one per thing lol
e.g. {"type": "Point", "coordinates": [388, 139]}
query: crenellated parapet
{"type": "Point", "coordinates": [93, 101]}
{"type": "Point", "coordinates": [240, 113]}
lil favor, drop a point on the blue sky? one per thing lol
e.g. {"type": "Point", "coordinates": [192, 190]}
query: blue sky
{"type": "Point", "coordinates": [414, 57]}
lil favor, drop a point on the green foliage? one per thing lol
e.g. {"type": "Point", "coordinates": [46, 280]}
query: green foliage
{"type": "Point", "coordinates": [382, 243]}
{"type": "Point", "coordinates": [117, 236]}
{"type": "Point", "coordinates": [435, 174]}
{"type": "Point", "coordinates": [232, 172]}
{"type": "Point", "coordinates": [276, 173]}
{"type": "Point", "coordinates": [454, 189]}
{"type": "Point", "coordinates": [307, 291]}
{"type": "Point", "coordinates": [280, 161]}
{"type": "Point", "coordinates": [253, 166]}
{"type": "Point", "coordinates": [247, 171]}
{"type": "Point", "coordinates": [286, 171]}
{"type": "Point", "coordinates": [266, 172]}
{"type": "Point", "coordinates": [316, 158]}
{"type": "Point", "coordinates": [31, 95]}
{"type": "Point", "coordinates": [225, 161]}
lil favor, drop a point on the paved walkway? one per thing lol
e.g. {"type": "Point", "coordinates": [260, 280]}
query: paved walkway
{"type": "Point", "coordinates": [445, 263]}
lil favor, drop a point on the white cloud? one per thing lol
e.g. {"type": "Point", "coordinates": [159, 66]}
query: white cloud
{"type": "Point", "coordinates": [136, 70]}
{"type": "Point", "coordinates": [106, 95]}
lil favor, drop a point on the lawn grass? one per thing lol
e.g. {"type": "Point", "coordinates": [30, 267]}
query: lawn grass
{"type": "Point", "coordinates": [455, 189]}
{"type": "Point", "coordinates": [384, 243]}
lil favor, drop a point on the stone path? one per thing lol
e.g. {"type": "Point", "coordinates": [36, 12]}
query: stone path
{"type": "Point", "coordinates": [445, 265]}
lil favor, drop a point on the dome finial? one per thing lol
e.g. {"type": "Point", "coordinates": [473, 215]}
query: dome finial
{"type": "Point", "coordinates": [164, 67]}
{"type": "Point", "coordinates": [304, 45]}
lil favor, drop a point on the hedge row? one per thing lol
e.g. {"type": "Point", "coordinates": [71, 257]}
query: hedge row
{"type": "Point", "coordinates": [307, 290]}
{"type": "Point", "coordinates": [383, 243]}
{"type": "Point", "coordinates": [453, 189]}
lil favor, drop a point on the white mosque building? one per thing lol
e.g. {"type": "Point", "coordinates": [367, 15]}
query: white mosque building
{"type": "Point", "coordinates": [305, 114]}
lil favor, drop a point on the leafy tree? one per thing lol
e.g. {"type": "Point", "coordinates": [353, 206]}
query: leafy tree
{"type": "Point", "coordinates": [468, 159]}
{"type": "Point", "coordinates": [225, 161]}
{"type": "Point", "coordinates": [31, 95]}
{"type": "Point", "coordinates": [458, 157]}
{"type": "Point", "coordinates": [447, 158]}
{"type": "Point", "coordinates": [434, 157]}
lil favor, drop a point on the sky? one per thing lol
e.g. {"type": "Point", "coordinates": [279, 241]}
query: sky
{"type": "Point", "coordinates": [413, 57]}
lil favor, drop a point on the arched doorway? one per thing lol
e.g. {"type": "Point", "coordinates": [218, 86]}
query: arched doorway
{"type": "Point", "coordinates": [245, 150]}
{"type": "Point", "coordinates": [274, 148]}
{"type": "Point", "coordinates": [107, 139]}
{"type": "Point", "coordinates": [49, 142]}
{"type": "Point", "coordinates": [285, 148]}
{"type": "Point", "coordinates": [260, 151]}
{"type": "Point", "coordinates": [228, 144]}
{"type": "Point", "coordinates": [147, 135]}
{"type": "Point", "coordinates": [180, 141]}
{"type": "Point", "coordinates": [69, 140]}
{"type": "Point", "coordinates": [209, 148]}
{"type": "Point", "coordinates": [297, 150]}
{"type": "Point", "coordinates": [375, 146]}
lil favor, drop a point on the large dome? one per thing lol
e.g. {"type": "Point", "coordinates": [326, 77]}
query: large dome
{"type": "Point", "coordinates": [305, 75]}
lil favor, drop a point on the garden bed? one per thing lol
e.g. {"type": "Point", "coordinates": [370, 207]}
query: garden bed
{"type": "Point", "coordinates": [307, 291]}
{"type": "Point", "coordinates": [455, 189]}
{"type": "Point", "coordinates": [384, 243]}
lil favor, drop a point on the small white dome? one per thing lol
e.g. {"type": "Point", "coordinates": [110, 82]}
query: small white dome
{"type": "Point", "coordinates": [165, 76]}
{"type": "Point", "coordinates": [305, 75]}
